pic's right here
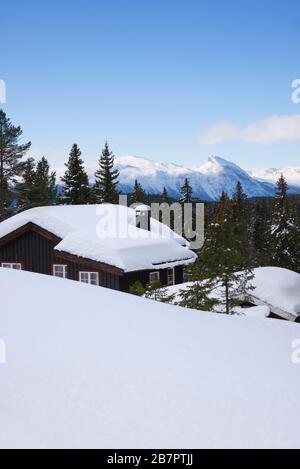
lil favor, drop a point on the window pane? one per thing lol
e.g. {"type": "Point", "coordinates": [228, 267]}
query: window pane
{"type": "Point", "coordinates": [89, 277]}
{"type": "Point", "coordinates": [170, 276]}
{"type": "Point", "coordinates": [60, 270]}
{"type": "Point", "coordinates": [154, 276]}
{"type": "Point", "coordinates": [84, 277]}
{"type": "Point", "coordinates": [94, 278]}
{"type": "Point", "coordinates": [11, 265]}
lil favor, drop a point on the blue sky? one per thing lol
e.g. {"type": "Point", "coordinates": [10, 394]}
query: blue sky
{"type": "Point", "coordinates": [156, 78]}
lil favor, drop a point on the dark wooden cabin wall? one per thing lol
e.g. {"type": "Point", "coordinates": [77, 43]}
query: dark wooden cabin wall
{"type": "Point", "coordinates": [143, 276]}
{"type": "Point", "coordinates": [36, 254]}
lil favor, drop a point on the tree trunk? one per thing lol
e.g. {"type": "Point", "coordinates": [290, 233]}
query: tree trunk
{"type": "Point", "coordinates": [227, 296]}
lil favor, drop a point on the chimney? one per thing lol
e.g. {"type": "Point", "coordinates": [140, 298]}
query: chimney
{"type": "Point", "coordinates": [143, 217]}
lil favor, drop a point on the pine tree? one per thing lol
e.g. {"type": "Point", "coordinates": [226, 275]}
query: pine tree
{"type": "Point", "coordinates": [186, 192]}
{"type": "Point", "coordinates": [106, 177]}
{"type": "Point", "coordinates": [10, 154]}
{"type": "Point", "coordinates": [222, 258]}
{"type": "Point", "coordinates": [44, 187]}
{"type": "Point", "coordinates": [75, 179]}
{"type": "Point", "coordinates": [25, 187]}
{"type": "Point", "coordinates": [138, 195]}
{"type": "Point", "coordinates": [285, 232]}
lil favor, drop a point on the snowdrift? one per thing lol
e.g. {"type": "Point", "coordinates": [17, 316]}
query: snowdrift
{"type": "Point", "coordinates": [92, 367]}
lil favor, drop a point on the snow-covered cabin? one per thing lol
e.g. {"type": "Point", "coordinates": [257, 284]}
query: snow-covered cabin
{"type": "Point", "coordinates": [279, 289]}
{"type": "Point", "coordinates": [96, 244]}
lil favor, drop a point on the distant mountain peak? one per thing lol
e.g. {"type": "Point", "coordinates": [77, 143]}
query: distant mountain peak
{"type": "Point", "coordinates": [208, 180]}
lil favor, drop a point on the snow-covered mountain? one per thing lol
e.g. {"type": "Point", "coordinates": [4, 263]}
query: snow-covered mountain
{"type": "Point", "coordinates": [208, 180]}
{"type": "Point", "coordinates": [291, 173]}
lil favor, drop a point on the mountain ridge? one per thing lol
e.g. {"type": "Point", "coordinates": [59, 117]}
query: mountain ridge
{"type": "Point", "coordinates": [208, 180]}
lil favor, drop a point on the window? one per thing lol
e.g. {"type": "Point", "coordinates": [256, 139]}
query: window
{"type": "Point", "coordinates": [89, 277]}
{"type": "Point", "coordinates": [171, 276]}
{"type": "Point", "coordinates": [12, 265]}
{"type": "Point", "coordinates": [154, 277]}
{"type": "Point", "coordinates": [60, 270]}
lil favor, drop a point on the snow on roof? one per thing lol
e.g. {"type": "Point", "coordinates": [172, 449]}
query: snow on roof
{"type": "Point", "coordinates": [92, 367]}
{"type": "Point", "coordinates": [279, 288]}
{"type": "Point", "coordinates": [107, 233]}
{"type": "Point", "coordinates": [261, 312]}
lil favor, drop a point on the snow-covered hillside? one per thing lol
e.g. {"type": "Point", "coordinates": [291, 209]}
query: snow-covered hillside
{"type": "Point", "coordinates": [90, 367]}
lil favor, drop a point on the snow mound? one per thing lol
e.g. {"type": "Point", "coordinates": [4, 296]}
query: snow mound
{"type": "Point", "coordinates": [90, 367]}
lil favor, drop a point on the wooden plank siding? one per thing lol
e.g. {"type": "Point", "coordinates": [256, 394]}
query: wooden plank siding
{"type": "Point", "coordinates": [36, 253]}
{"type": "Point", "coordinates": [143, 277]}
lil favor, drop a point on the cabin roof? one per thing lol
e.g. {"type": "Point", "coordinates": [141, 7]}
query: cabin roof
{"type": "Point", "coordinates": [108, 234]}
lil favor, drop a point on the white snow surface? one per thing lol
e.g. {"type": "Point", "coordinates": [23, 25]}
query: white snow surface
{"type": "Point", "coordinates": [261, 312]}
{"type": "Point", "coordinates": [278, 287]}
{"type": "Point", "coordinates": [107, 233]}
{"type": "Point", "coordinates": [88, 367]}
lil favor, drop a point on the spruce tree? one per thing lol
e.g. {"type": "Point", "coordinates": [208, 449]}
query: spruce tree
{"type": "Point", "coordinates": [186, 192]}
{"type": "Point", "coordinates": [239, 217]}
{"type": "Point", "coordinates": [261, 250]}
{"type": "Point", "coordinates": [44, 186]}
{"type": "Point", "coordinates": [106, 177]}
{"type": "Point", "coordinates": [222, 259]}
{"type": "Point", "coordinates": [138, 195]}
{"type": "Point", "coordinates": [11, 151]}
{"type": "Point", "coordinates": [199, 293]}
{"type": "Point", "coordinates": [239, 205]}
{"type": "Point", "coordinates": [285, 232]}
{"type": "Point", "coordinates": [25, 187]}
{"type": "Point", "coordinates": [75, 179]}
